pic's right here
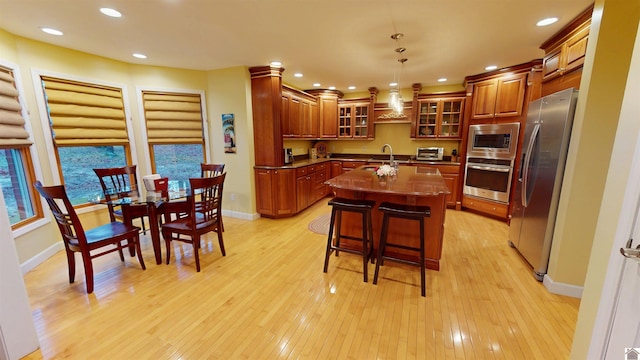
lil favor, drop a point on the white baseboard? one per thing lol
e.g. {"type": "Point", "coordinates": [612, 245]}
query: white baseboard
{"type": "Point", "coordinates": [562, 289]}
{"type": "Point", "coordinates": [30, 264]}
{"type": "Point", "coordinates": [240, 215]}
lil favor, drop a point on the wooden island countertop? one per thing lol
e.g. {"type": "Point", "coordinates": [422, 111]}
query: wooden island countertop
{"type": "Point", "coordinates": [412, 186]}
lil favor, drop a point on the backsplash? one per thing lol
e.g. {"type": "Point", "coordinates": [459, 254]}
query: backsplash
{"type": "Point", "coordinates": [396, 135]}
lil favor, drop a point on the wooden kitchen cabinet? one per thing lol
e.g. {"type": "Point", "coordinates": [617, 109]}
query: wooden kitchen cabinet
{"type": "Point", "coordinates": [564, 55]}
{"type": "Point", "coordinates": [354, 121]}
{"type": "Point", "coordinates": [492, 208]}
{"type": "Point", "coordinates": [438, 118]}
{"type": "Point", "coordinates": [274, 195]}
{"type": "Point", "coordinates": [327, 112]}
{"type": "Point", "coordinates": [298, 114]}
{"type": "Point", "coordinates": [310, 185]}
{"type": "Point", "coordinates": [336, 168]}
{"type": "Point", "coordinates": [499, 97]}
{"type": "Point", "coordinates": [451, 176]}
{"type": "Point", "coordinates": [304, 188]}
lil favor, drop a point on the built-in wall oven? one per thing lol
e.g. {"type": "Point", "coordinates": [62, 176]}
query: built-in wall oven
{"type": "Point", "coordinates": [490, 161]}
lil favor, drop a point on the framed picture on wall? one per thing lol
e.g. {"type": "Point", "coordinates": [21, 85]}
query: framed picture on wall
{"type": "Point", "coordinates": [229, 133]}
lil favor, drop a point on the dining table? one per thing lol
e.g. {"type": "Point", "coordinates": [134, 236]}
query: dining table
{"type": "Point", "coordinates": [153, 204]}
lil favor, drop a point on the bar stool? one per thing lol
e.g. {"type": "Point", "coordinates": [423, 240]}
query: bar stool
{"type": "Point", "coordinates": [402, 211]}
{"type": "Point", "coordinates": [362, 207]}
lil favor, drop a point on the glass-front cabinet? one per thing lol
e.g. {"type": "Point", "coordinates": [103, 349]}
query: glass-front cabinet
{"type": "Point", "coordinates": [439, 118]}
{"type": "Point", "coordinates": [353, 120]}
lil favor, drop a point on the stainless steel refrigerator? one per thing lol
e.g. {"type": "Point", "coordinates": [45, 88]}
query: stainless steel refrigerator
{"type": "Point", "coordinates": [537, 192]}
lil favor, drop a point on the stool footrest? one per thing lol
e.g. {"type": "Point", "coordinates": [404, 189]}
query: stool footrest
{"type": "Point", "coordinates": [398, 260]}
{"type": "Point", "coordinates": [405, 247]}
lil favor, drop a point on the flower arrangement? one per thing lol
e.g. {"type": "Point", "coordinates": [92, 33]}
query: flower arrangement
{"type": "Point", "coordinates": [385, 170]}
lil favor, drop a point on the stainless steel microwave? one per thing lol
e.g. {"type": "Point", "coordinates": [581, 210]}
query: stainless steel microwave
{"type": "Point", "coordinates": [493, 140]}
{"type": "Point", "coordinates": [429, 153]}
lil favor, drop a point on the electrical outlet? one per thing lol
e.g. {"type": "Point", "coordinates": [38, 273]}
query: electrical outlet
{"type": "Point", "coordinates": [233, 197]}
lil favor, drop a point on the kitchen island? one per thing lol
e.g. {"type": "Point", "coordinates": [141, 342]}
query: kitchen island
{"type": "Point", "coordinates": [412, 186]}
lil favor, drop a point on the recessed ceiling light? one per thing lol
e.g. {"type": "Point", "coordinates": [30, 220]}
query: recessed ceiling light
{"type": "Point", "coordinates": [332, 87]}
{"type": "Point", "coordinates": [352, 87]}
{"type": "Point", "coordinates": [491, 67]}
{"type": "Point", "coordinates": [111, 12]}
{"type": "Point", "coordinates": [317, 84]}
{"type": "Point", "coordinates": [51, 31]}
{"type": "Point", "coordinates": [140, 56]}
{"type": "Point", "coordinates": [275, 63]}
{"type": "Point", "coordinates": [393, 84]}
{"type": "Point", "coordinates": [547, 21]}
{"type": "Point", "coordinates": [298, 75]}
{"type": "Point", "coordinates": [442, 79]}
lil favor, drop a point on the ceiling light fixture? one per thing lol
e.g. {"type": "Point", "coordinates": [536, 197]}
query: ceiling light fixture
{"type": "Point", "coordinates": [111, 12]}
{"type": "Point", "coordinates": [442, 79]}
{"type": "Point", "coordinates": [317, 84]}
{"type": "Point", "coordinates": [51, 31]}
{"type": "Point", "coordinates": [547, 21]}
{"type": "Point", "coordinates": [298, 75]}
{"type": "Point", "coordinates": [140, 56]}
{"type": "Point", "coordinates": [395, 95]}
{"type": "Point", "coordinates": [275, 63]}
{"type": "Point", "coordinates": [491, 67]}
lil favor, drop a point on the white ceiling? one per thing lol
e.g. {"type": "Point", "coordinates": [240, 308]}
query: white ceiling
{"type": "Point", "coordinates": [333, 42]}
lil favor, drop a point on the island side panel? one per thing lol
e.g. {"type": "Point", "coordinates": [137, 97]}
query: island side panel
{"type": "Point", "coordinates": [401, 231]}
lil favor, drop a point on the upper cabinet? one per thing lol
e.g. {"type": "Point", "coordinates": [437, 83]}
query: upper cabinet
{"type": "Point", "coordinates": [353, 120]}
{"type": "Point", "coordinates": [499, 97]}
{"type": "Point", "coordinates": [298, 114]}
{"type": "Point", "coordinates": [327, 112]}
{"type": "Point", "coordinates": [565, 53]}
{"type": "Point", "coordinates": [355, 117]}
{"type": "Point", "coordinates": [438, 116]}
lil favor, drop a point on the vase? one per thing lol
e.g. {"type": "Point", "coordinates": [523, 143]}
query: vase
{"type": "Point", "coordinates": [382, 179]}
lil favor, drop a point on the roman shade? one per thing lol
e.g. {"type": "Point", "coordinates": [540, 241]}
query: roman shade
{"type": "Point", "coordinates": [12, 131]}
{"type": "Point", "coordinates": [173, 118]}
{"type": "Point", "coordinates": [83, 113]}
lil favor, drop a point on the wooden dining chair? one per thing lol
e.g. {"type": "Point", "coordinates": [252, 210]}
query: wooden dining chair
{"type": "Point", "coordinates": [118, 183]}
{"type": "Point", "coordinates": [211, 170]}
{"type": "Point", "coordinates": [76, 239]}
{"type": "Point", "coordinates": [205, 215]}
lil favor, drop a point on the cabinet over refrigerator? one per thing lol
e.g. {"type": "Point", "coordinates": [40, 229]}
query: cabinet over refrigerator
{"type": "Point", "coordinates": [537, 191]}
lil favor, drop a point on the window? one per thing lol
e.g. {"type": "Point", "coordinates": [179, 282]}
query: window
{"type": "Point", "coordinates": [174, 124]}
{"type": "Point", "coordinates": [89, 130]}
{"type": "Point", "coordinates": [16, 166]}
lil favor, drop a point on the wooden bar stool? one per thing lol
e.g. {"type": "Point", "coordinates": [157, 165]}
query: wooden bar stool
{"type": "Point", "coordinates": [404, 212]}
{"type": "Point", "coordinates": [362, 207]}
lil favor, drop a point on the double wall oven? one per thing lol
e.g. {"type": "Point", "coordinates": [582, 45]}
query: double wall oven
{"type": "Point", "coordinates": [490, 158]}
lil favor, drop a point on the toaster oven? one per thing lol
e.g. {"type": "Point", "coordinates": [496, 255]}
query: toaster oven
{"type": "Point", "coordinates": [429, 153]}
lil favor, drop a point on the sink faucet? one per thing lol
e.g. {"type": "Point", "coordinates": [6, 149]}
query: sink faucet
{"type": "Point", "coordinates": [390, 153]}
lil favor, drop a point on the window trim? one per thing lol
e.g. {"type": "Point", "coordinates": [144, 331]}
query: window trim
{"type": "Point", "coordinates": [54, 161]}
{"type": "Point", "coordinates": [143, 120]}
{"type": "Point", "coordinates": [33, 162]}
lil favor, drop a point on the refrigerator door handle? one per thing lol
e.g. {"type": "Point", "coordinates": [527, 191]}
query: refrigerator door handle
{"type": "Point", "coordinates": [527, 163]}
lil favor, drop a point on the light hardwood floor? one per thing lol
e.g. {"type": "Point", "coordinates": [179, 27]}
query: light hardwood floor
{"type": "Point", "coordinates": [269, 299]}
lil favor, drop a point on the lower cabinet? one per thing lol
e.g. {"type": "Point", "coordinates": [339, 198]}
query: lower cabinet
{"type": "Point", "coordinates": [310, 185]}
{"type": "Point", "coordinates": [274, 196]}
{"type": "Point", "coordinates": [285, 192]}
{"type": "Point", "coordinates": [451, 176]}
{"type": "Point", "coordinates": [492, 208]}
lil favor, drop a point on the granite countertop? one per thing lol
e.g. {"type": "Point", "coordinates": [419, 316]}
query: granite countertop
{"type": "Point", "coordinates": [401, 159]}
{"type": "Point", "coordinates": [410, 180]}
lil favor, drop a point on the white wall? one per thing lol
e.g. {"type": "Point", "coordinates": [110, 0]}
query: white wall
{"type": "Point", "coordinates": [18, 332]}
